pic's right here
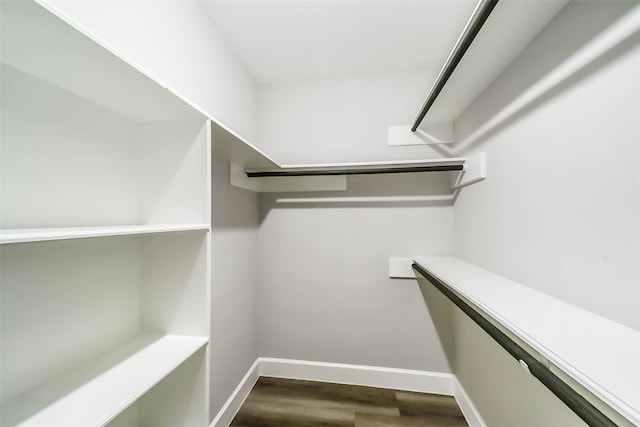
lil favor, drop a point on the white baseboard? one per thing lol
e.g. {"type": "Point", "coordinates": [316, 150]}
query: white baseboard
{"type": "Point", "coordinates": [371, 376]}
{"type": "Point", "coordinates": [237, 398]}
{"type": "Point", "coordinates": [467, 407]}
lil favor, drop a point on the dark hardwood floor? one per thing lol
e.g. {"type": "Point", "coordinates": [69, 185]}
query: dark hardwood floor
{"type": "Point", "coordinates": [277, 402]}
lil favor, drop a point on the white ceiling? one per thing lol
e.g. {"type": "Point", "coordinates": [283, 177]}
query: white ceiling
{"type": "Point", "coordinates": [292, 40]}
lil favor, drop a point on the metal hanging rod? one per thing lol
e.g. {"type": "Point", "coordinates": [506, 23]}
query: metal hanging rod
{"type": "Point", "coordinates": [578, 404]}
{"type": "Point", "coordinates": [355, 171]}
{"type": "Point", "coordinates": [471, 30]}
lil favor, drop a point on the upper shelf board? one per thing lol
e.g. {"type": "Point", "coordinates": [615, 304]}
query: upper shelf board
{"type": "Point", "coordinates": [598, 353]}
{"type": "Point", "coordinates": [26, 235]}
{"type": "Point", "coordinates": [489, 54]}
{"type": "Point", "coordinates": [37, 42]}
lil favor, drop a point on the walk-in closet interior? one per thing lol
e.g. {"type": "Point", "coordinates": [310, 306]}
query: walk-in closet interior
{"type": "Point", "coordinates": [426, 196]}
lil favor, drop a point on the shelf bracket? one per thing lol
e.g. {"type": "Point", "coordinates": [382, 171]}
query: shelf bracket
{"type": "Point", "coordinates": [475, 170]}
{"type": "Point", "coordinates": [398, 136]}
{"type": "Point", "coordinates": [273, 184]}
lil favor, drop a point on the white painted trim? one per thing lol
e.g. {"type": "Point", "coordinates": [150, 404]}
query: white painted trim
{"type": "Point", "coordinates": [371, 376]}
{"type": "Point", "coordinates": [467, 407]}
{"type": "Point", "coordinates": [237, 398]}
{"type": "Point", "coordinates": [340, 373]}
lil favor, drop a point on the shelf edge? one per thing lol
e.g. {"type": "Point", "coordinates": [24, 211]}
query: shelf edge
{"type": "Point", "coordinates": [26, 235]}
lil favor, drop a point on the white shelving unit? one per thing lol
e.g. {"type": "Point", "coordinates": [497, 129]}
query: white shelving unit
{"type": "Point", "coordinates": [104, 226]}
{"type": "Point", "coordinates": [597, 353]}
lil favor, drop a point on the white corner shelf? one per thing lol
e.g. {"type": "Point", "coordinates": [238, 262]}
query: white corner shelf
{"type": "Point", "coordinates": [333, 176]}
{"type": "Point", "coordinates": [598, 353]}
{"type": "Point", "coordinates": [95, 392]}
{"type": "Point", "coordinates": [26, 235]}
{"type": "Point", "coordinates": [381, 165]}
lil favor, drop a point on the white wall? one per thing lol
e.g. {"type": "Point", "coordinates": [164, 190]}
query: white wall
{"type": "Point", "coordinates": [324, 290]}
{"type": "Point", "coordinates": [560, 206]}
{"type": "Point", "coordinates": [234, 246]}
{"type": "Point", "coordinates": [175, 43]}
{"type": "Point", "coordinates": [341, 119]}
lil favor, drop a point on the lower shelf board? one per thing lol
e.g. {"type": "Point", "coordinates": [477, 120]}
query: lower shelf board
{"type": "Point", "coordinates": [597, 353]}
{"type": "Point", "coordinates": [95, 392]}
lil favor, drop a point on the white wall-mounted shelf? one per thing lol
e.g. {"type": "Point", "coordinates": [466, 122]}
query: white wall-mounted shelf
{"type": "Point", "coordinates": [599, 354]}
{"type": "Point", "coordinates": [380, 165]}
{"type": "Point", "coordinates": [95, 392]}
{"type": "Point", "coordinates": [333, 176]}
{"type": "Point", "coordinates": [489, 54]}
{"type": "Point", "coordinates": [27, 235]}
{"type": "Point", "coordinates": [500, 77]}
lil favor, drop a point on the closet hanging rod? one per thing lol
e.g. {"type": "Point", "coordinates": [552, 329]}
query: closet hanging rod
{"type": "Point", "coordinates": [471, 30]}
{"type": "Point", "coordinates": [363, 171]}
{"type": "Point", "coordinates": [578, 404]}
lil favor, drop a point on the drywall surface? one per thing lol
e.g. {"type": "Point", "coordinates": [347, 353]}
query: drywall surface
{"type": "Point", "coordinates": [342, 119]}
{"type": "Point", "coordinates": [560, 206]}
{"type": "Point", "coordinates": [175, 42]}
{"type": "Point", "coordinates": [324, 290]}
{"type": "Point", "coordinates": [234, 239]}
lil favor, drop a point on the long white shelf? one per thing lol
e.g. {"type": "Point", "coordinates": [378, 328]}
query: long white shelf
{"type": "Point", "coordinates": [25, 235]}
{"type": "Point", "coordinates": [380, 164]}
{"type": "Point", "coordinates": [600, 354]}
{"type": "Point", "coordinates": [95, 392]}
{"type": "Point", "coordinates": [355, 166]}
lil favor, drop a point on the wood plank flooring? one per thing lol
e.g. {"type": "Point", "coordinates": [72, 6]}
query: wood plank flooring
{"type": "Point", "coordinates": [276, 402]}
